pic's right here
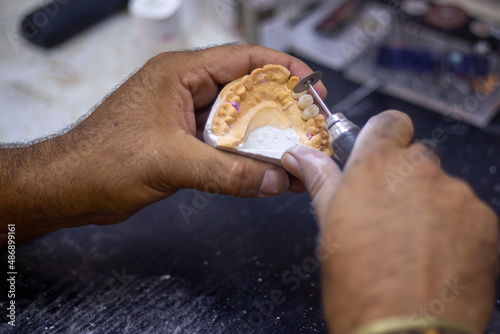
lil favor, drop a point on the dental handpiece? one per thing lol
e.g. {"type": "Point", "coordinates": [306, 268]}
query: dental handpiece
{"type": "Point", "coordinates": [342, 132]}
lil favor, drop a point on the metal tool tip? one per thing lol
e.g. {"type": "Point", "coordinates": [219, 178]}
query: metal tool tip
{"type": "Point", "coordinates": [307, 82]}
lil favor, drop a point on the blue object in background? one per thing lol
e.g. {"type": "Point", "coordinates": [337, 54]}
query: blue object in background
{"type": "Point", "coordinates": [459, 63]}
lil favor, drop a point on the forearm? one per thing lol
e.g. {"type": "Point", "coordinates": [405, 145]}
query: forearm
{"type": "Point", "coordinates": [48, 186]}
{"type": "Point", "coordinates": [87, 175]}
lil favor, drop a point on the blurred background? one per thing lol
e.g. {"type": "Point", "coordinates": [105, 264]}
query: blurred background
{"type": "Point", "coordinates": [60, 58]}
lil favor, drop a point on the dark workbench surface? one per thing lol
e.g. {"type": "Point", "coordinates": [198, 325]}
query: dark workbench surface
{"type": "Point", "coordinates": [233, 266]}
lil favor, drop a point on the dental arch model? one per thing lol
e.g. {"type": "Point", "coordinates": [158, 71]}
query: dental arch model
{"type": "Point", "coordinates": [258, 115]}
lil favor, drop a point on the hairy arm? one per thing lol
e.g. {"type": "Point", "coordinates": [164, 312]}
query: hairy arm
{"type": "Point", "coordinates": [94, 173]}
{"type": "Point", "coordinates": [34, 179]}
{"type": "Point", "coordinates": [59, 182]}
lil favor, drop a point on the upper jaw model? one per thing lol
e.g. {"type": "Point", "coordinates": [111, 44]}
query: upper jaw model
{"type": "Point", "coordinates": [259, 116]}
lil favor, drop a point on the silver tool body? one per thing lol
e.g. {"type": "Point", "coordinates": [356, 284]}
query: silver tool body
{"type": "Point", "coordinates": [342, 132]}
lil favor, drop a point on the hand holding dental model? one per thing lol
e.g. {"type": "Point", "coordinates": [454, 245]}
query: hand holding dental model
{"type": "Point", "coordinates": [397, 245]}
{"type": "Point", "coordinates": [140, 146]}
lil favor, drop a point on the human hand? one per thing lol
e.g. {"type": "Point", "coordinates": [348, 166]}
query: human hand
{"type": "Point", "coordinates": [140, 146]}
{"type": "Point", "coordinates": [412, 241]}
{"type": "Point", "coordinates": [153, 118]}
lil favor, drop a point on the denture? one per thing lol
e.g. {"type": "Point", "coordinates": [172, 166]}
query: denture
{"type": "Point", "coordinates": [259, 115]}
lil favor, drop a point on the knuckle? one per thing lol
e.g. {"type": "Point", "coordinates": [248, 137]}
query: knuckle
{"type": "Point", "coordinates": [391, 116]}
{"type": "Point", "coordinates": [245, 45]}
{"type": "Point", "coordinates": [157, 64]}
{"type": "Point", "coordinates": [423, 149]}
{"type": "Point", "coordinates": [161, 58]}
{"type": "Point", "coordinates": [393, 125]}
{"type": "Point", "coordinates": [399, 115]}
{"type": "Point", "coordinates": [157, 60]}
{"type": "Point", "coordinates": [491, 218]}
{"type": "Point", "coordinates": [485, 222]}
{"type": "Point", "coordinates": [462, 194]}
{"type": "Point", "coordinates": [463, 189]}
{"type": "Point", "coordinates": [428, 167]}
{"type": "Point", "coordinates": [425, 160]}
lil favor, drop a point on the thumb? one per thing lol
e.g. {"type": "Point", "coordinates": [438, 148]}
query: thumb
{"type": "Point", "coordinates": [319, 173]}
{"type": "Point", "coordinates": [212, 170]}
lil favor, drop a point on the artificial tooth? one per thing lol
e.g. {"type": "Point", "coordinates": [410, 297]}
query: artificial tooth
{"type": "Point", "coordinates": [305, 101]}
{"type": "Point", "coordinates": [310, 112]}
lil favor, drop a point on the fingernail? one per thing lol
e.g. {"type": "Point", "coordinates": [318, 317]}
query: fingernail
{"type": "Point", "coordinates": [275, 182]}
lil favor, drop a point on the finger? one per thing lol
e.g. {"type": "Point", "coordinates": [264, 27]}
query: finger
{"type": "Point", "coordinates": [208, 169]}
{"type": "Point", "coordinates": [319, 173]}
{"type": "Point", "coordinates": [420, 151]}
{"type": "Point", "coordinates": [387, 130]}
{"type": "Point", "coordinates": [223, 64]}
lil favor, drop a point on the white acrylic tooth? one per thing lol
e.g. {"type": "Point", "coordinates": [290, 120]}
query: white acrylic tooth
{"type": "Point", "coordinates": [297, 96]}
{"type": "Point", "coordinates": [305, 101]}
{"type": "Point", "coordinates": [310, 112]}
